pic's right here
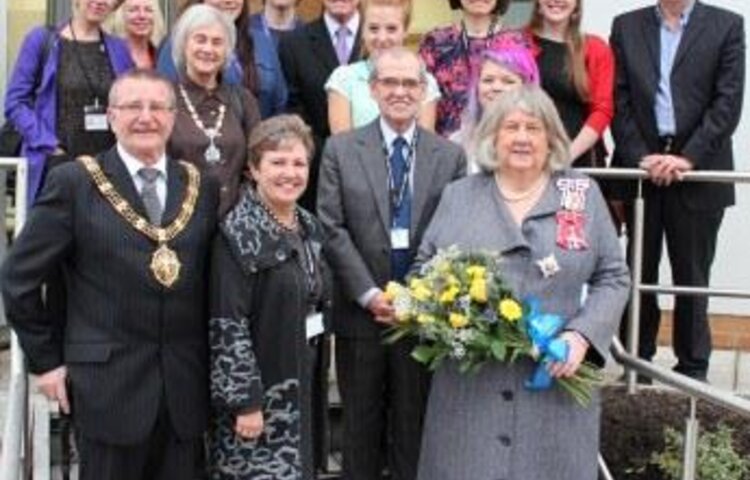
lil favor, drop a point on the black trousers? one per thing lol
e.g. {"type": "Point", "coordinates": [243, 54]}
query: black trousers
{"type": "Point", "coordinates": [162, 456]}
{"type": "Point", "coordinates": [691, 244]}
{"type": "Point", "coordinates": [384, 394]}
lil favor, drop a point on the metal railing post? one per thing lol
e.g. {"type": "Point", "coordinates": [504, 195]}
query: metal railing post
{"type": "Point", "coordinates": [604, 469]}
{"type": "Point", "coordinates": [634, 320]}
{"type": "Point", "coordinates": [690, 453]}
{"type": "Point", "coordinates": [13, 462]}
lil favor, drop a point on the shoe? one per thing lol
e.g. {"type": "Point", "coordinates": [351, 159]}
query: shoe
{"type": "Point", "coordinates": [695, 374]}
{"type": "Point", "coordinates": [640, 379]}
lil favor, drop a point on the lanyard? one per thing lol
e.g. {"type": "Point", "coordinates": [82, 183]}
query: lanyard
{"type": "Point", "coordinates": [397, 196]}
{"type": "Point", "coordinates": [81, 63]}
{"type": "Point", "coordinates": [308, 265]}
{"type": "Point", "coordinates": [465, 42]}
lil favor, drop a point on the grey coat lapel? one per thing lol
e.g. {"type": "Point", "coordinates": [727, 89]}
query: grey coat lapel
{"type": "Point", "coordinates": [549, 202]}
{"type": "Point", "coordinates": [425, 164]}
{"type": "Point", "coordinates": [370, 155]}
{"type": "Point", "coordinates": [506, 239]}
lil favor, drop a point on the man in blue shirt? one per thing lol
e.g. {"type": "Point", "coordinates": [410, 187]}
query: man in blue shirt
{"type": "Point", "coordinates": [678, 100]}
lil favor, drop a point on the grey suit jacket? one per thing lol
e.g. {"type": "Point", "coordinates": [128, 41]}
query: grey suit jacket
{"type": "Point", "coordinates": [354, 208]}
{"type": "Point", "coordinates": [707, 80]}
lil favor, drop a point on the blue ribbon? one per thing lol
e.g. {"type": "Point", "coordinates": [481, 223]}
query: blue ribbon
{"type": "Point", "coordinates": [543, 329]}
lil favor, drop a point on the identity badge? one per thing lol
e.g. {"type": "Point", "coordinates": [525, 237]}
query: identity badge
{"type": "Point", "coordinates": [399, 238]}
{"type": "Point", "coordinates": [314, 325]}
{"type": "Point", "coordinates": [95, 117]}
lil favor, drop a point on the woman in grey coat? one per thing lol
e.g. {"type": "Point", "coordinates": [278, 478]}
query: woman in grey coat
{"type": "Point", "coordinates": [558, 245]}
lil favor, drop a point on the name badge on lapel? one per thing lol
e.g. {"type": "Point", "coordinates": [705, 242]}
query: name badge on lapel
{"type": "Point", "coordinates": [95, 117]}
{"type": "Point", "coordinates": [314, 325]}
{"type": "Point", "coordinates": [399, 238]}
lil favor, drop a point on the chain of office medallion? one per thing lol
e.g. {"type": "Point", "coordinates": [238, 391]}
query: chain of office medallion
{"type": "Point", "coordinates": [121, 206]}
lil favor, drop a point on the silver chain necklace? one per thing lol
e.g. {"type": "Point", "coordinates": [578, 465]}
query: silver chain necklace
{"type": "Point", "coordinates": [212, 154]}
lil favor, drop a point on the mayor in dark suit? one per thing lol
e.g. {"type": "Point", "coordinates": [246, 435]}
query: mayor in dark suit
{"type": "Point", "coordinates": [379, 186]}
{"type": "Point", "coordinates": [308, 57]}
{"type": "Point", "coordinates": [131, 231]}
{"type": "Point", "coordinates": [679, 87]}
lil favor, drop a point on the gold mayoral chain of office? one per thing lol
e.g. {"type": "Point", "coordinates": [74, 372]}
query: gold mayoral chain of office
{"type": "Point", "coordinates": [165, 264]}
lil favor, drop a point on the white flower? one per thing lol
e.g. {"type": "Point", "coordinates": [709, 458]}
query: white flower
{"type": "Point", "coordinates": [458, 352]}
{"type": "Point", "coordinates": [548, 265]}
{"type": "Point", "coordinates": [402, 305]}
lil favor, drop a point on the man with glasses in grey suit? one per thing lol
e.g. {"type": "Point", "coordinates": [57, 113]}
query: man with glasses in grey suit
{"type": "Point", "coordinates": [379, 186]}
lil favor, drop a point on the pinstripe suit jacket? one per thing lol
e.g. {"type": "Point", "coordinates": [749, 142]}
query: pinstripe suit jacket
{"type": "Point", "coordinates": [131, 346]}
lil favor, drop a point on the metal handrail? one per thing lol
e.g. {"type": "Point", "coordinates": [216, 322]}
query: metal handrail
{"type": "Point", "coordinates": [635, 365]}
{"type": "Point", "coordinates": [15, 433]}
{"type": "Point", "coordinates": [685, 384]}
{"type": "Point", "coordinates": [694, 291]}
{"type": "Point", "coordinates": [712, 176]}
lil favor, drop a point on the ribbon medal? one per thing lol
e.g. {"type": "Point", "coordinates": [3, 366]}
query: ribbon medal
{"type": "Point", "coordinates": [571, 220]}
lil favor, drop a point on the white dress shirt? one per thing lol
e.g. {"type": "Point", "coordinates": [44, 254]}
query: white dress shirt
{"type": "Point", "coordinates": [333, 26]}
{"type": "Point", "coordinates": [133, 165]}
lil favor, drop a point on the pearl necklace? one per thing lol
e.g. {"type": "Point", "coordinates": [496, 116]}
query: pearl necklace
{"type": "Point", "coordinates": [284, 227]}
{"type": "Point", "coordinates": [212, 153]}
{"type": "Point", "coordinates": [524, 195]}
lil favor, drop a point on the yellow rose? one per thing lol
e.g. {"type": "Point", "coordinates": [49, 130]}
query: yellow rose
{"type": "Point", "coordinates": [424, 318]}
{"type": "Point", "coordinates": [478, 290]}
{"type": "Point", "coordinates": [457, 320]}
{"type": "Point", "coordinates": [510, 309]}
{"type": "Point", "coordinates": [476, 272]}
{"type": "Point", "coordinates": [449, 294]}
{"type": "Point", "coordinates": [419, 290]}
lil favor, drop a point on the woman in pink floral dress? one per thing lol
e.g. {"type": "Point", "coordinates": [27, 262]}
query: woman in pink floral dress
{"type": "Point", "coordinates": [452, 52]}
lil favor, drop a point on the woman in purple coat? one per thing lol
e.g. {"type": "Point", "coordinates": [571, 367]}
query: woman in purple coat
{"type": "Point", "coordinates": [57, 94]}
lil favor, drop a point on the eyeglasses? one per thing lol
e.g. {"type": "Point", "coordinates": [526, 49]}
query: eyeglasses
{"type": "Point", "coordinates": [392, 83]}
{"type": "Point", "coordinates": [136, 108]}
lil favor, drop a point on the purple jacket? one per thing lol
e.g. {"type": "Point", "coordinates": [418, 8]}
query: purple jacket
{"type": "Point", "coordinates": [36, 120]}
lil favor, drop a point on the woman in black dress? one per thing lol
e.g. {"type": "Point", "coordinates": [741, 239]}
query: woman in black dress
{"type": "Point", "coordinates": [268, 293]}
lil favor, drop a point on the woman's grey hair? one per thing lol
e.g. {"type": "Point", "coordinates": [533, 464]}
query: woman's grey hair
{"type": "Point", "coordinates": [274, 132]}
{"type": "Point", "coordinates": [532, 100]}
{"type": "Point", "coordinates": [195, 17]}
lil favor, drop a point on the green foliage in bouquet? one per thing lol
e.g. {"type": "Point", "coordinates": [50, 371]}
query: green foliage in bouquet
{"type": "Point", "coordinates": [460, 308]}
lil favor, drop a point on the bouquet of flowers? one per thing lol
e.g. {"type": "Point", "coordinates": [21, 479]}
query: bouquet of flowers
{"type": "Point", "coordinates": [459, 307]}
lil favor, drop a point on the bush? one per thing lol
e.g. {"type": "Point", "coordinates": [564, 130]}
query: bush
{"type": "Point", "coordinates": [633, 429]}
{"type": "Point", "coordinates": [717, 458]}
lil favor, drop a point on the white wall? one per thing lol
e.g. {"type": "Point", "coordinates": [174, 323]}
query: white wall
{"type": "Point", "coordinates": [732, 265]}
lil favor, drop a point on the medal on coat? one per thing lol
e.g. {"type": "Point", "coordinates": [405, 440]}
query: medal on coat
{"type": "Point", "coordinates": [571, 221]}
{"type": "Point", "coordinates": [212, 153]}
{"type": "Point", "coordinates": [165, 265]}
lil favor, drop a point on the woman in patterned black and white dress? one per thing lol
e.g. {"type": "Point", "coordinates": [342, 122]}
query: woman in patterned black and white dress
{"type": "Point", "coordinates": [267, 295]}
